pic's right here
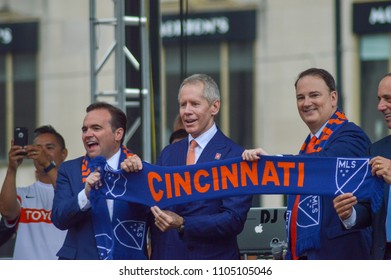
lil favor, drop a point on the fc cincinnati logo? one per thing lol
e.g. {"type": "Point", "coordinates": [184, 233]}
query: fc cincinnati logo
{"type": "Point", "coordinates": [350, 174]}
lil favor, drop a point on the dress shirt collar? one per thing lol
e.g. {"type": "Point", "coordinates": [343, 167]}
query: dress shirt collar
{"type": "Point", "coordinates": [114, 160]}
{"type": "Point", "coordinates": [205, 137]}
{"type": "Point", "coordinates": [317, 134]}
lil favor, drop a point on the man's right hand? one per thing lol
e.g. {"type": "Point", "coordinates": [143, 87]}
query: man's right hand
{"type": "Point", "coordinates": [343, 204]}
{"type": "Point", "coordinates": [132, 164]}
{"type": "Point", "coordinates": [92, 181]}
{"type": "Point", "coordinates": [15, 158]}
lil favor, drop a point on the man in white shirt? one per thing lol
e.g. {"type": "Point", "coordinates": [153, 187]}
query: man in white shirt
{"type": "Point", "coordinates": [29, 208]}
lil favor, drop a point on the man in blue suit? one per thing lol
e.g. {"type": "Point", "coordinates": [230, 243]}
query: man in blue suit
{"type": "Point", "coordinates": [357, 215]}
{"type": "Point", "coordinates": [332, 135]}
{"type": "Point", "coordinates": [110, 229]}
{"type": "Point", "coordinates": [204, 229]}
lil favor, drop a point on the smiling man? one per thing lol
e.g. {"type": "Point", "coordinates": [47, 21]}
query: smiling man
{"type": "Point", "coordinates": [205, 229]}
{"type": "Point", "coordinates": [334, 135]}
{"type": "Point", "coordinates": [314, 228]}
{"type": "Point", "coordinates": [110, 229]}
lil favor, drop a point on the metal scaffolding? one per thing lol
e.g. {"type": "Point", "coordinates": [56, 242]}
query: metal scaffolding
{"type": "Point", "coordinates": [122, 96]}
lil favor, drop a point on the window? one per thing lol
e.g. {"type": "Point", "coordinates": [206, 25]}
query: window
{"type": "Point", "coordinates": [374, 54]}
{"type": "Point", "coordinates": [18, 80]}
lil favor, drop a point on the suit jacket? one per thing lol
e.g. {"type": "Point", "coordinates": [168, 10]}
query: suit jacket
{"type": "Point", "coordinates": [336, 241]}
{"type": "Point", "coordinates": [211, 226]}
{"type": "Point", "coordinates": [379, 148]}
{"type": "Point", "coordinates": [80, 241]}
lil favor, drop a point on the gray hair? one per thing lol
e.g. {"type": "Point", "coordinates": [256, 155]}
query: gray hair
{"type": "Point", "coordinates": [211, 90]}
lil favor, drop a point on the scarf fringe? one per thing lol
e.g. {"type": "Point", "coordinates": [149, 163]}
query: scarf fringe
{"type": "Point", "coordinates": [306, 242]}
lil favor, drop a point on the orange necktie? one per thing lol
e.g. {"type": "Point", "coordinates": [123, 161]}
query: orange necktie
{"type": "Point", "coordinates": [308, 149]}
{"type": "Point", "coordinates": [191, 154]}
{"type": "Point", "coordinates": [311, 145]}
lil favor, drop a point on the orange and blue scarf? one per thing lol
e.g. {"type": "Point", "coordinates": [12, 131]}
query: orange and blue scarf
{"type": "Point", "coordinates": [170, 185]}
{"type": "Point", "coordinates": [305, 215]}
{"type": "Point", "coordinates": [165, 186]}
{"type": "Point", "coordinates": [124, 235]}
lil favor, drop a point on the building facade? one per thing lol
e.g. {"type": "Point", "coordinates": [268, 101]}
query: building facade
{"type": "Point", "coordinates": [253, 49]}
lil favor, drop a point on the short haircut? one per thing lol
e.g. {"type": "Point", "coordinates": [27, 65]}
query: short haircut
{"type": "Point", "coordinates": [50, 129]}
{"type": "Point", "coordinates": [321, 73]}
{"type": "Point", "coordinates": [118, 117]}
{"type": "Point", "coordinates": [211, 90]}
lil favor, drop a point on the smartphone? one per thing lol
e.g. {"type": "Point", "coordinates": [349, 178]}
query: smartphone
{"type": "Point", "coordinates": [21, 137]}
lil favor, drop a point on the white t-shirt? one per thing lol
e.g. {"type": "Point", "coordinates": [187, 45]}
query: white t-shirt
{"type": "Point", "coordinates": [37, 238]}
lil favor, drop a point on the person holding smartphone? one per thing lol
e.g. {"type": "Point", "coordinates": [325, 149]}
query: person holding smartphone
{"type": "Point", "coordinates": [29, 208]}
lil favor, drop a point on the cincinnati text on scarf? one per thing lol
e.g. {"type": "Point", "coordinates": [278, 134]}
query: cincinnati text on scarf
{"type": "Point", "coordinates": [170, 185]}
{"type": "Point", "coordinates": [236, 175]}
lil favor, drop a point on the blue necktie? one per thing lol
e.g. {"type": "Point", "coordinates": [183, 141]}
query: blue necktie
{"type": "Point", "coordinates": [388, 220]}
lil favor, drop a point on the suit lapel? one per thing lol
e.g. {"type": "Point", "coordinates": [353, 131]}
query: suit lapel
{"type": "Point", "coordinates": [216, 149]}
{"type": "Point", "coordinates": [180, 157]}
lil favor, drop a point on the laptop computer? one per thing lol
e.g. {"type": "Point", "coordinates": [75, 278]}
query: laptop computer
{"type": "Point", "coordinates": [264, 228]}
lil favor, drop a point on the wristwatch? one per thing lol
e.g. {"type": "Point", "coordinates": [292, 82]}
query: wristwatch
{"type": "Point", "coordinates": [49, 167]}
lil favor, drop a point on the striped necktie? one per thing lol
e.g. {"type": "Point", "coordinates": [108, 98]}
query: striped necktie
{"type": "Point", "coordinates": [191, 154]}
{"type": "Point", "coordinates": [311, 145]}
{"type": "Point", "coordinates": [295, 209]}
